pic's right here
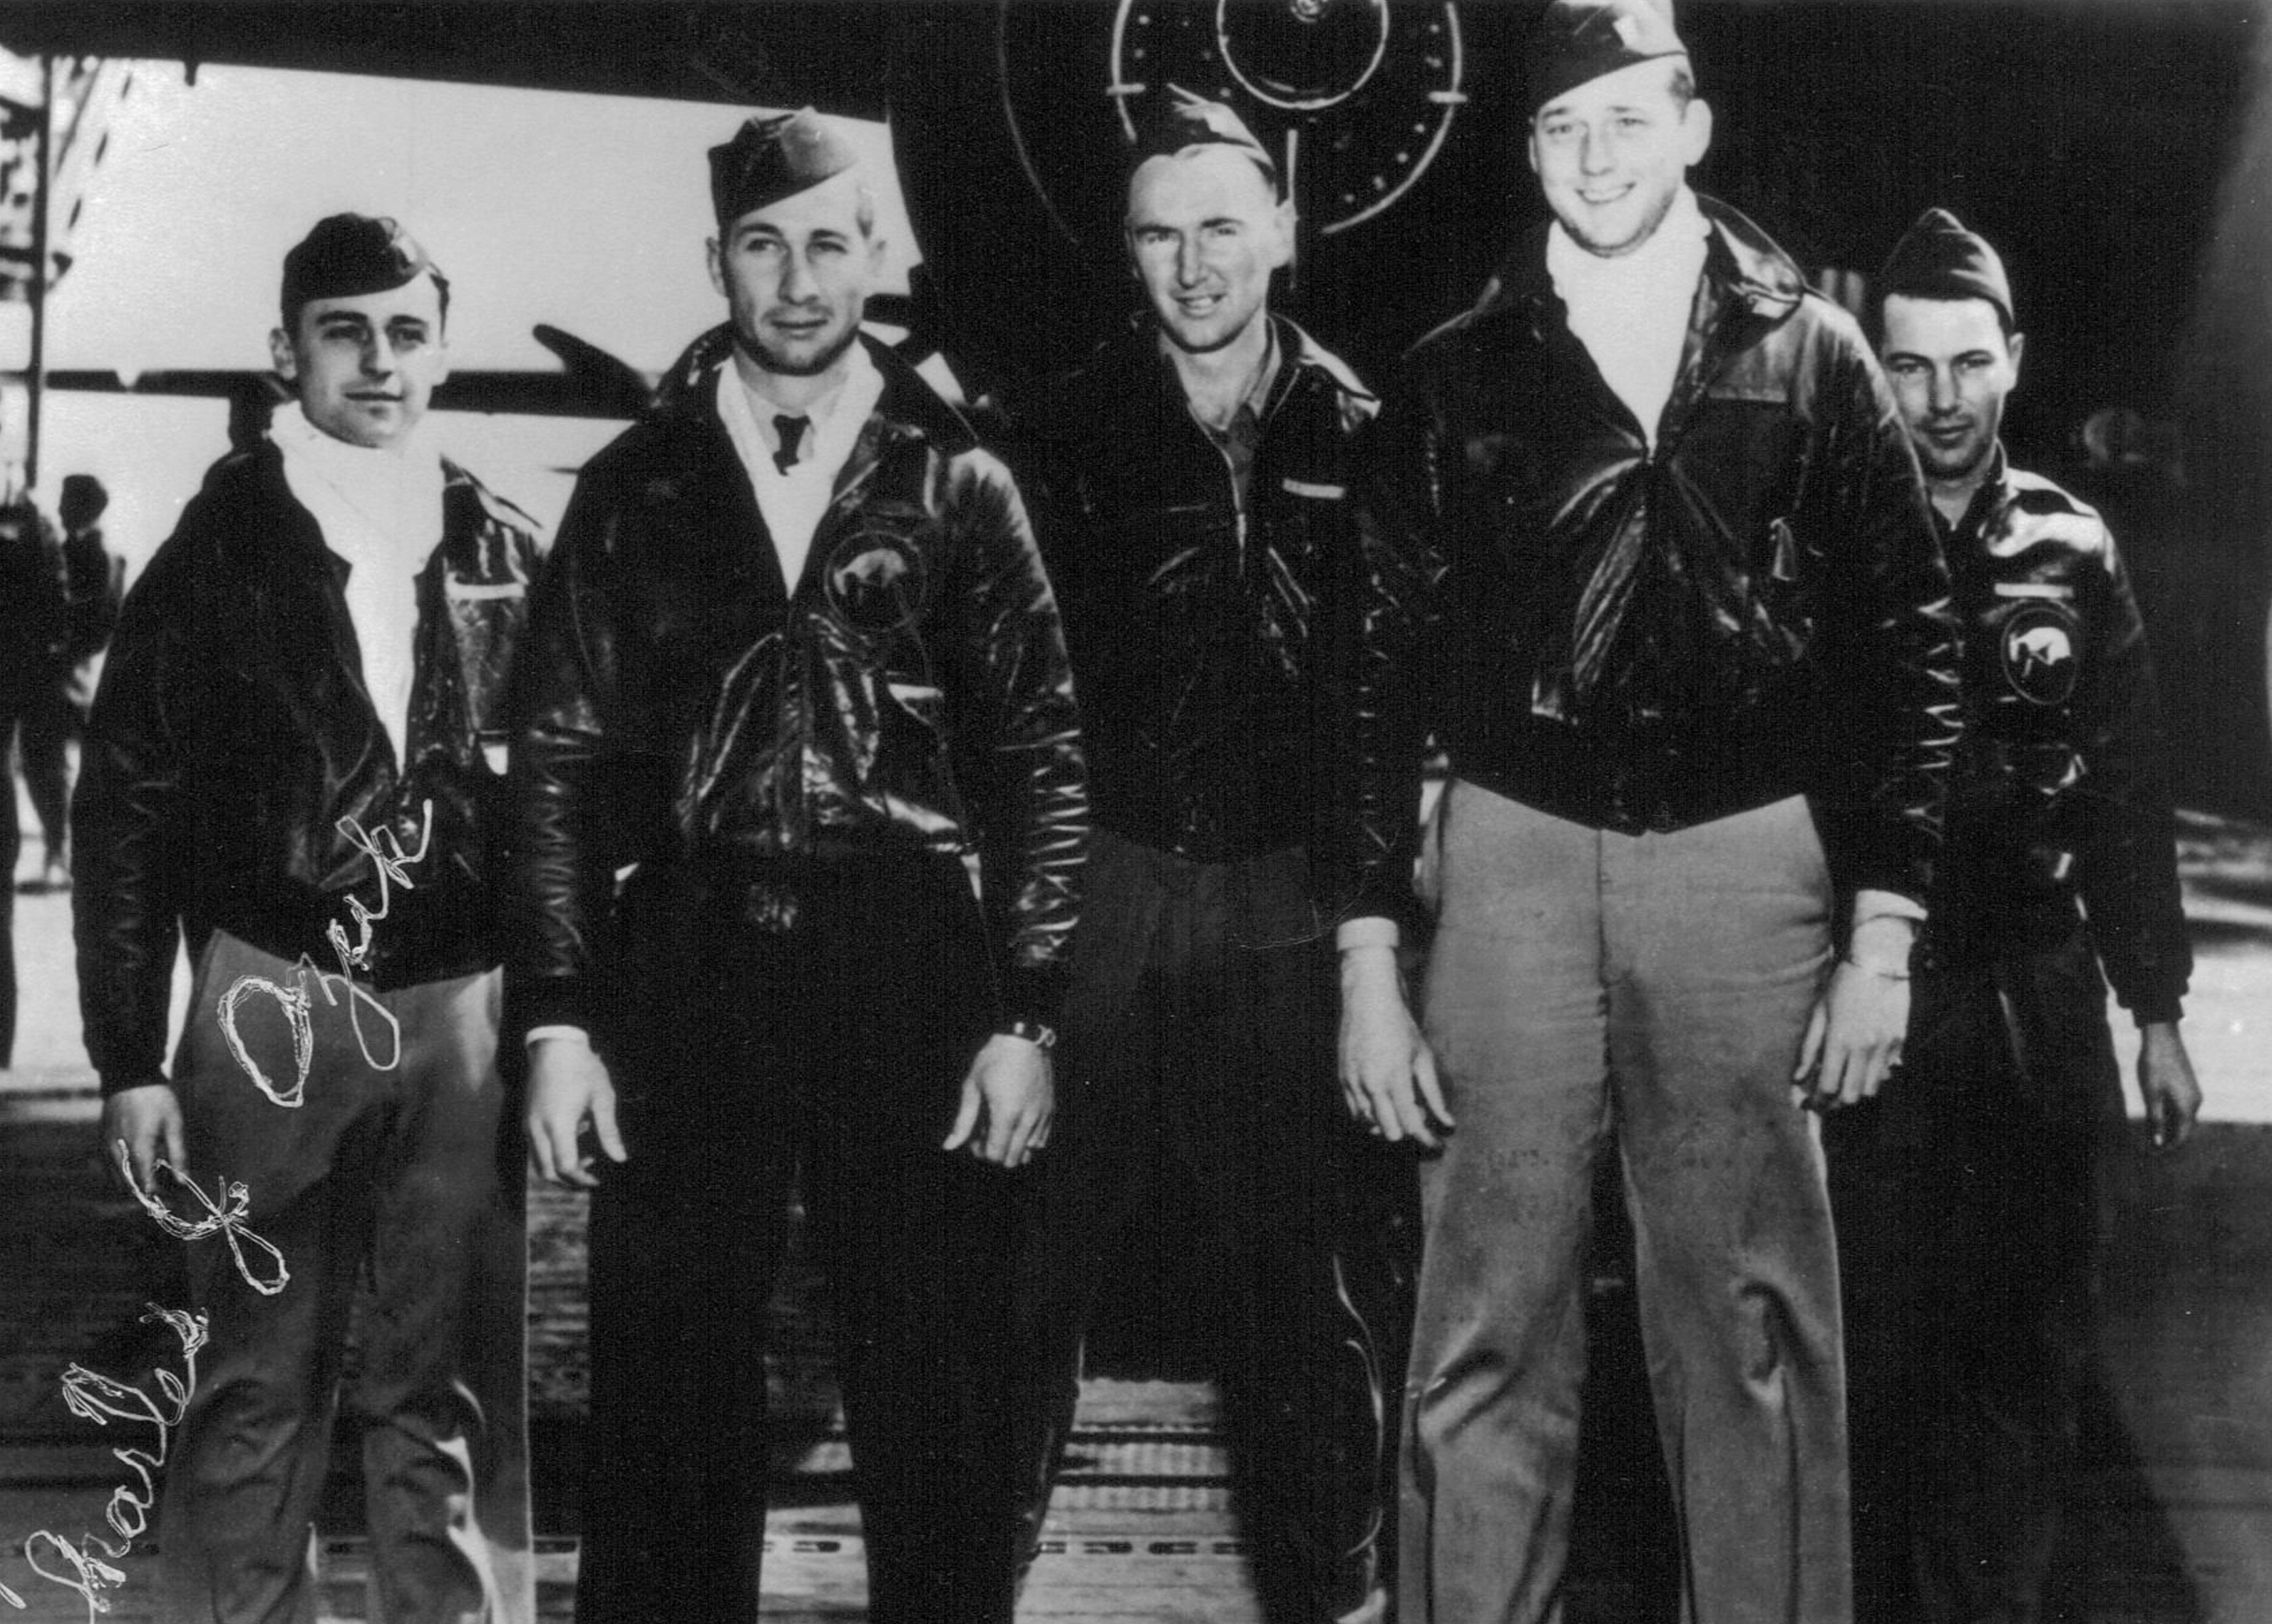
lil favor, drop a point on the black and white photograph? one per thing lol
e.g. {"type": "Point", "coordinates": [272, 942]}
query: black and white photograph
{"type": "Point", "coordinates": [1136, 811]}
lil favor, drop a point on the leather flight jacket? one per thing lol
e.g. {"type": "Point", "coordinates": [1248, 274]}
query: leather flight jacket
{"type": "Point", "coordinates": [233, 736]}
{"type": "Point", "coordinates": [2059, 792]}
{"type": "Point", "coordinates": [1197, 629]}
{"type": "Point", "coordinates": [683, 715]}
{"type": "Point", "coordinates": [1646, 637]}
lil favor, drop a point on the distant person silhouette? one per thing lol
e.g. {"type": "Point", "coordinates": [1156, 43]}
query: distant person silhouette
{"type": "Point", "coordinates": [30, 629]}
{"type": "Point", "coordinates": [55, 714]}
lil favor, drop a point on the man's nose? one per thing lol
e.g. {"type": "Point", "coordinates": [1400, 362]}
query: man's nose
{"type": "Point", "coordinates": [1593, 151]}
{"type": "Point", "coordinates": [379, 355]}
{"type": "Point", "coordinates": [1188, 268]}
{"type": "Point", "coordinates": [795, 277]}
{"type": "Point", "coordinates": [1942, 396]}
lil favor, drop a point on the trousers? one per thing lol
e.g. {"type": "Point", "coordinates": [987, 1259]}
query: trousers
{"type": "Point", "coordinates": [799, 1029]}
{"type": "Point", "coordinates": [384, 1173]}
{"type": "Point", "coordinates": [1657, 985]}
{"type": "Point", "coordinates": [1967, 1197]}
{"type": "Point", "coordinates": [1201, 1072]}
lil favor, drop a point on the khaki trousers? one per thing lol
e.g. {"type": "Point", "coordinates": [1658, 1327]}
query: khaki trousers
{"type": "Point", "coordinates": [1658, 986]}
{"type": "Point", "coordinates": [388, 1173]}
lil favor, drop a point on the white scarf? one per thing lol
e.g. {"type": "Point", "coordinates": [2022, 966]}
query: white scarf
{"type": "Point", "coordinates": [793, 503]}
{"type": "Point", "coordinates": [381, 510]}
{"type": "Point", "coordinates": [1630, 310]}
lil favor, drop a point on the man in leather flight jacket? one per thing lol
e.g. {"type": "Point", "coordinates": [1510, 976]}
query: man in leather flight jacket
{"type": "Point", "coordinates": [297, 756]}
{"type": "Point", "coordinates": [1199, 537]}
{"type": "Point", "coordinates": [1967, 1192]}
{"type": "Point", "coordinates": [794, 682]}
{"type": "Point", "coordinates": [1650, 557]}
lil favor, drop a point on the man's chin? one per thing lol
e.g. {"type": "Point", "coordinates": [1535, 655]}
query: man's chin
{"type": "Point", "coordinates": [800, 362]}
{"type": "Point", "coordinates": [1204, 339]}
{"type": "Point", "coordinates": [1950, 470]}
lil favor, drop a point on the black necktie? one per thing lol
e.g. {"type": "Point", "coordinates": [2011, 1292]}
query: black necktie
{"type": "Point", "coordinates": [791, 430]}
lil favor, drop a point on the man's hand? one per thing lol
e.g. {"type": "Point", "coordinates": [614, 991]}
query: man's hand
{"type": "Point", "coordinates": [1009, 1099]}
{"type": "Point", "coordinates": [1389, 1072]}
{"type": "Point", "coordinates": [149, 1119]}
{"type": "Point", "coordinates": [567, 1084]}
{"type": "Point", "coordinates": [1855, 1034]}
{"type": "Point", "coordinates": [2166, 1083]}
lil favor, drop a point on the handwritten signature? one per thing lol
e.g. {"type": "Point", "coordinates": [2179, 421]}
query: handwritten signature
{"type": "Point", "coordinates": [92, 1560]}
{"type": "Point", "coordinates": [88, 1565]}
{"type": "Point", "coordinates": [224, 1218]}
{"type": "Point", "coordinates": [297, 1002]}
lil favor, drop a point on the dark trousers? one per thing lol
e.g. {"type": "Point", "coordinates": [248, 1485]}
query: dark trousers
{"type": "Point", "coordinates": [1967, 1206]}
{"type": "Point", "coordinates": [50, 725]}
{"type": "Point", "coordinates": [1202, 1027]}
{"type": "Point", "coordinates": [809, 1027]}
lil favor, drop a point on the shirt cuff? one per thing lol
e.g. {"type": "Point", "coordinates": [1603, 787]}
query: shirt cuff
{"type": "Point", "coordinates": [1370, 932]}
{"type": "Point", "coordinates": [574, 1034]}
{"type": "Point", "coordinates": [1870, 904]}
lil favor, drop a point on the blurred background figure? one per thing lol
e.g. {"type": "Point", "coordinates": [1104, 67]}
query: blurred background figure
{"type": "Point", "coordinates": [54, 711]}
{"type": "Point", "coordinates": [31, 631]}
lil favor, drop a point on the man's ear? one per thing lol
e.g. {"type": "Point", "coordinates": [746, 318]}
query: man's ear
{"type": "Point", "coordinates": [1696, 125]}
{"type": "Point", "coordinates": [1285, 220]}
{"type": "Point", "coordinates": [2017, 342]}
{"type": "Point", "coordinates": [714, 257]}
{"type": "Point", "coordinates": [1530, 145]}
{"type": "Point", "coordinates": [280, 355]}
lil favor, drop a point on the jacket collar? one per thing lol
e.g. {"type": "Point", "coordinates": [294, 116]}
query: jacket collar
{"type": "Point", "coordinates": [1742, 260]}
{"type": "Point", "coordinates": [1299, 356]}
{"type": "Point", "coordinates": [1984, 511]}
{"type": "Point", "coordinates": [688, 392]}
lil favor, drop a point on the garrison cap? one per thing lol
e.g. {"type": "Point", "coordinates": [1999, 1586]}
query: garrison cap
{"type": "Point", "coordinates": [1189, 121]}
{"type": "Point", "coordinates": [773, 158]}
{"type": "Point", "coordinates": [1938, 258]}
{"type": "Point", "coordinates": [345, 254]}
{"type": "Point", "coordinates": [1582, 40]}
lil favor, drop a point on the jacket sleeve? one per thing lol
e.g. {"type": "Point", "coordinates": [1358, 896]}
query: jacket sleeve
{"type": "Point", "coordinates": [2128, 852]}
{"type": "Point", "coordinates": [574, 726]}
{"type": "Point", "coordinates": [1395, 620]}
{"type": "Point", "coordinates": [1017, 737]}
{"type": "Point", "coordinates": [1893, 654]}
{"type": "Point", "coordinates": [129, 837]}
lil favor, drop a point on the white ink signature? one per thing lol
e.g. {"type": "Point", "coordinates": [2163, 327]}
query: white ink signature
{"type": "Point", "coordinates": [297, 1002]}
{"type": "Point", "coordinates": [224, 1218]}
{"type": "Point", "coordinates": [89, 1563]}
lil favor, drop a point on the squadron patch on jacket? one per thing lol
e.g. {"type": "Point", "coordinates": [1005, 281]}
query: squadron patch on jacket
{"type": "Point", "coordinates": [876, 581]}
{"type": "Point", "coordinates": [2041, 647]}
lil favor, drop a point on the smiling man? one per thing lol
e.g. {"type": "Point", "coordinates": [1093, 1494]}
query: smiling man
{"type": "Point", "coordinates": [795, 678]}
{"type": "Point", "coordinates": [1967, 1191]}
{"type": "Point", "coordinates": [309, 674]}
{"type": "Point", "coordinates": [1200, 535]}
{"type": "Point", "coordinates": [1647, 555]}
